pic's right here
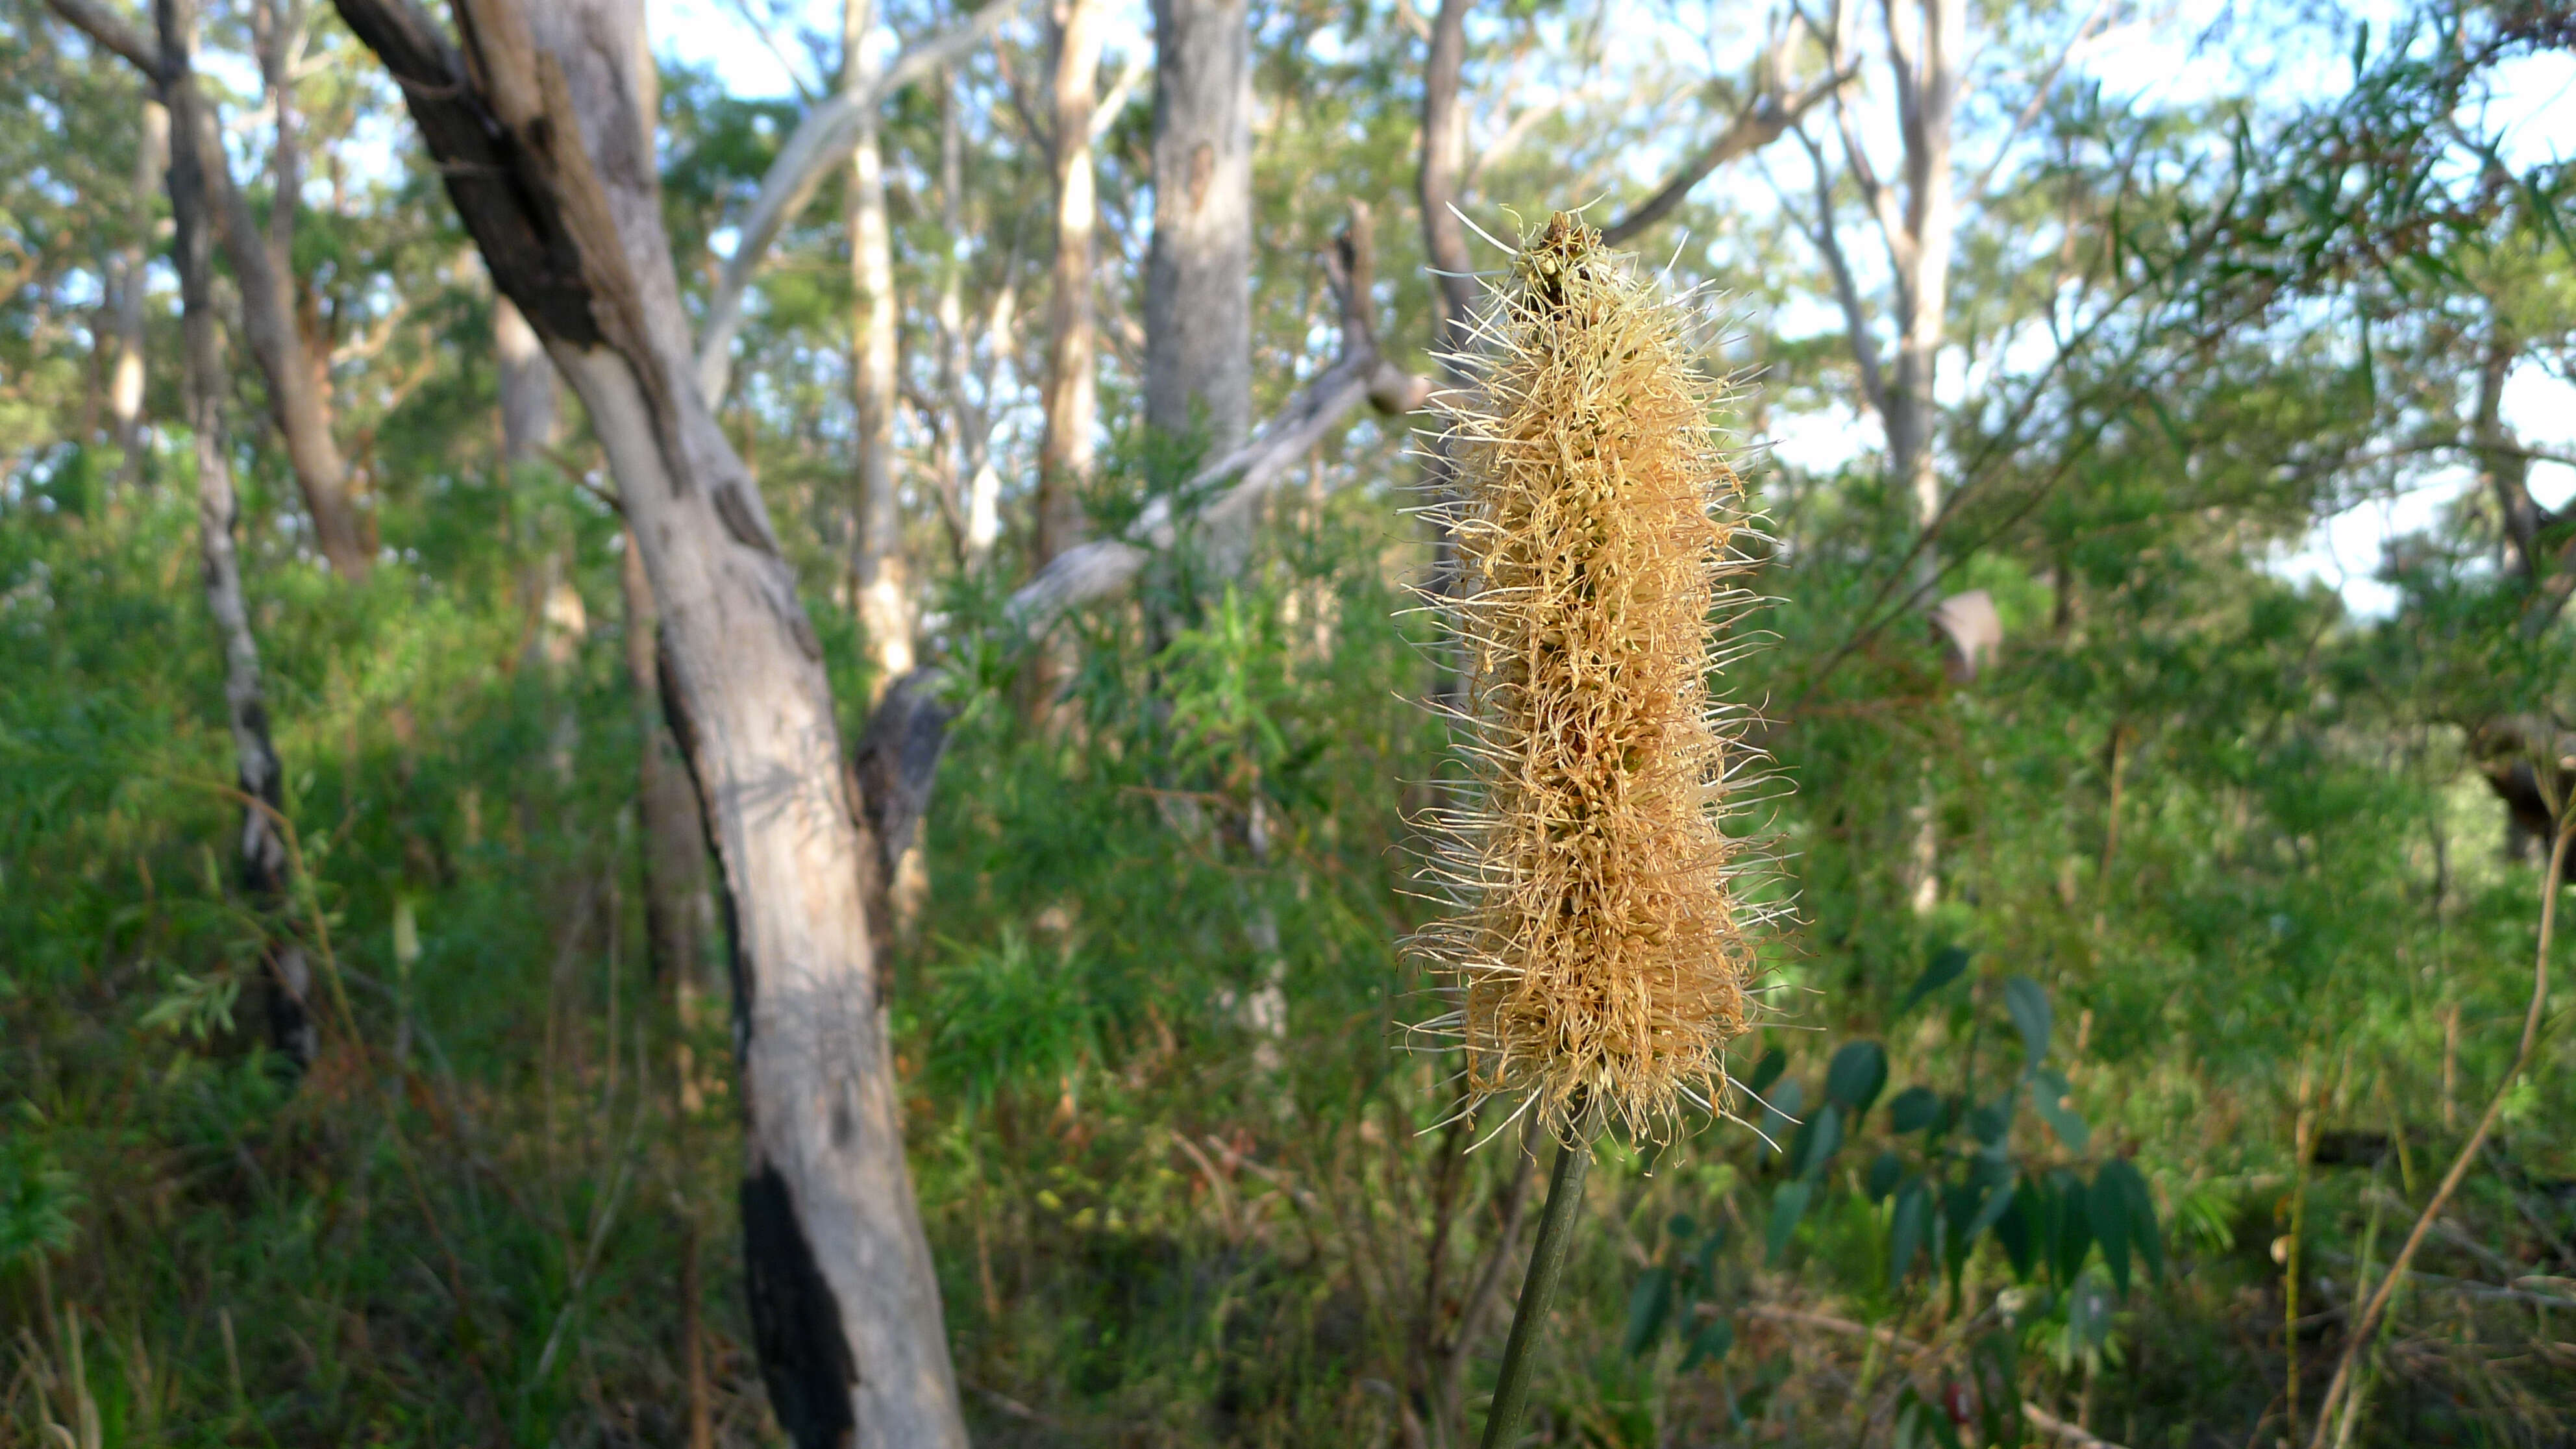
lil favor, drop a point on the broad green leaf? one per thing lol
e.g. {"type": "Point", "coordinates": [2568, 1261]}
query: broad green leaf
{"type": "Point", "coordinates": [1885, 1171]}
{"type": "Point", "coordinates": [1948, 964]}
{"type": "Point", "coordinates": [1857, 1075]}
{"type": "Point", "coordinates": [1992, 1122]}
{"type": "Point", "coordinates": [2028, 1003]}
{"type": "Point", "coordinates": [1913, 1109]}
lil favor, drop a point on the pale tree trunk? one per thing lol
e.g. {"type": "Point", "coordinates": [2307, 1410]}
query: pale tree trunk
{"type": "Point", "coordinates": [527, 385]}
{"type": "Point", "coordinates": [983, 476]}
{"type": "Point", "coordinates": [884, 581]}
{"type": "Point", "coordinates": [1926, 44]}
{"type": "Point", "coordinates": [1198, 279]}
{"type": "Point", "coordinates": [277, 343]}
{"type": "Point", "coordinates": [967, 448]}
{"type": "Point", "coordinates": [263, 857]}
{"type": "Point", "coordinates": [544, 151]}
{"type": "Point", "coordinates": [125, 377]}
{"type": "Point", "coordinates": [678, 914]}
{"type": "Point", "coordinates": [268, 319]}
{"type": "Point", "coordinates": [1071, 397]}
{"type": "Point", "coordinates": [1926, 55]}
{"type": "Point", "coordinates": [1442, 157]}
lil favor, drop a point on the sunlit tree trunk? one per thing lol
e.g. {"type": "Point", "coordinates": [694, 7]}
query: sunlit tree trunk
{"type": "Point", "coordinates": [1198, 282]}
{"type": "Point", "coordinates": [884, 581]}
{"type": "Point", "coordinates": [966, 447]}
{"type": "Point", "coordinates": [1071, 396]}
{"type": "Point", "coordinates": [263, 857]}
{"type": "Point", "coordinates": [126, 372]}
{"type": "Point", "coordinates": [545, 147]}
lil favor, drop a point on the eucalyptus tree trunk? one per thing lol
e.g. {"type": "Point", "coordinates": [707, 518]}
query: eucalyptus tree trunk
{"type": "Point", "coordinates": [1071, 398]}
{"type": "Point", "coordinates": [545, 150]}
{"type": "Point", "coordinates": [262, 853]}
{"type": "Point", "coordinates": [1927, 40]}
{"type": "Point", "coordinates": [126, 373]}
{"type": "Point", "coordinates": [1443, 156]}
{"type": "Point", "coordinates": [529, 416]}
{"type": "Point", "coordinates": [678, 914]}
{"type": "Point", "coordinates": [1198, 280]}
{"type": "Point", "coordinates": [277, 342]}
{"type": "Point", "coordinates": [268, 318]}
{"type": "Point", "coordinates": [877, 558]}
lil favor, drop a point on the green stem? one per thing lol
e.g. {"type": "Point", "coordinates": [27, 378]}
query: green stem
{"type": "Point", "coordinates": [1547, 1261]}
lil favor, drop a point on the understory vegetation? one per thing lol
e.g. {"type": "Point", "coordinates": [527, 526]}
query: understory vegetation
{"type": "Point", "coordinates": [2148, 967]}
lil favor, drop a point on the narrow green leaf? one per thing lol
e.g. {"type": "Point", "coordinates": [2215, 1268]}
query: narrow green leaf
{"type": "Point", "coordinates": [1649, 1303]}
{"type": "Point", "coordinates": [1819, 1140]}
{"type": "Point", "coordinates": [1911, 1225]}
{"type": "Point", "coordinates": [1787, 1206]}
{"type": "Point", "coordinates": [1710, 1344]}
{"type": "Point", "coordinates": [2144, 1234]}
{"type": "Point", "coordinates": [2031, 1015]}
{"type": "Point", "coordinates": [2106, 1210]}
{"type": "Point", "coordinates": [2048, 1097]}
{"type": "Point", "coordinates": [1767, 1071]}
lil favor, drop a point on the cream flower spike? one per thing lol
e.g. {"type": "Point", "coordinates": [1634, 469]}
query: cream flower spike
{"type": "Point", "coordinates": [1596, 945]}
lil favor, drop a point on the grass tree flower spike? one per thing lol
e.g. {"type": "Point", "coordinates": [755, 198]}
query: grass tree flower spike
{"type": "Point", "coordinates": [1596, 942]}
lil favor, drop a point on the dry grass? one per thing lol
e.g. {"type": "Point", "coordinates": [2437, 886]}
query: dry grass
{"type": "Point", "coordinates": [1596, 941]}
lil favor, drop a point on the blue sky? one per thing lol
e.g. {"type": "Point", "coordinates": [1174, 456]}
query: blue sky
{"type": "Point", "coordinates": [2161, 59]}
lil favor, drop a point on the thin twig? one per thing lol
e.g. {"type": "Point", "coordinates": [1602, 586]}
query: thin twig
{"type": "Point", "coordinates": [2366, 1326]}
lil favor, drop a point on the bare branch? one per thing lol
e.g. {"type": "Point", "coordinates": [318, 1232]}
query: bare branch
{"type": "Point", "coordinates": [1758, 125]}
{"type": "Point", "coordinates": [2039, 97]}
{"type": "Point", "coordinates": [114, 32]}
{"type": "Point", "coordinates": [769, 41]}
{"type": "Point", "coordinates": [1121, 92]}
{"type": "Point", "coordinates": [824, 139]}
{"type": "Point", "coordinates": [1101, 566]}
{"type": "Point", "coordinates": [1864, 345]}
